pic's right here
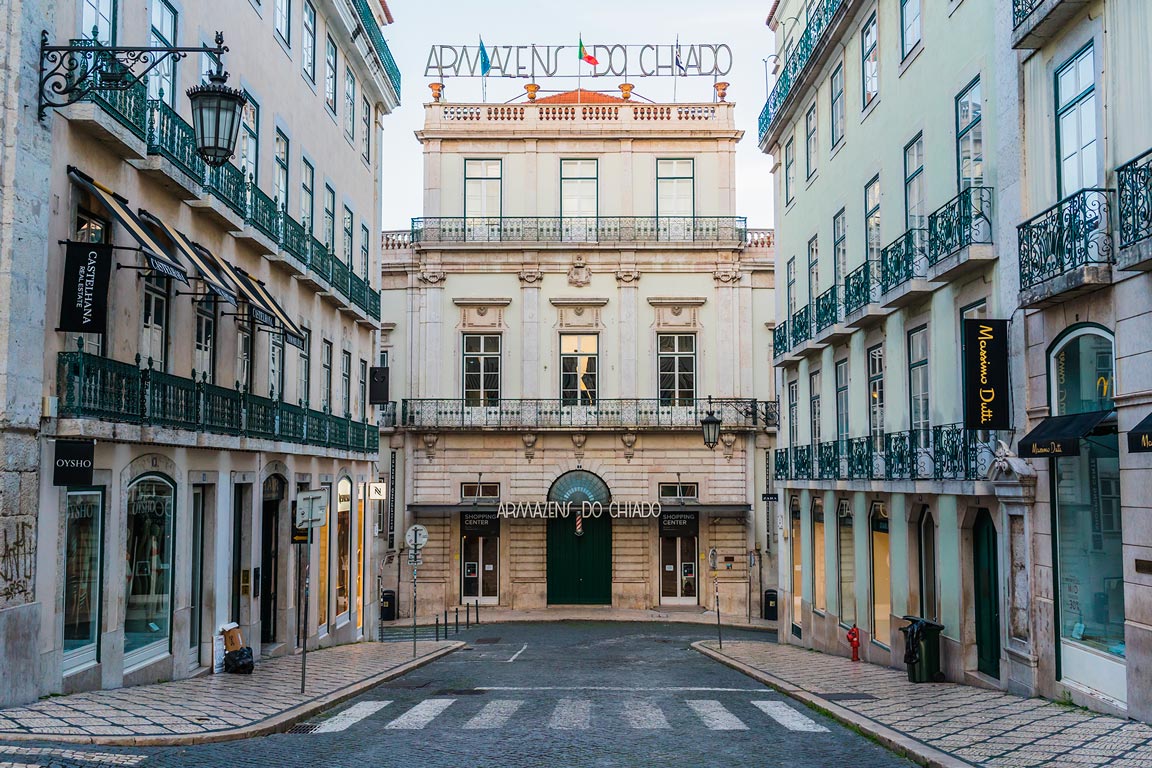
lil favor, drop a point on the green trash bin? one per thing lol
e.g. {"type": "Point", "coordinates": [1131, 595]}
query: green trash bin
{"type": "Point", "coordinates": [922, 649]}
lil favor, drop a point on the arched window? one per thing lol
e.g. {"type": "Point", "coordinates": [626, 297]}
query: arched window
{"type": "Point", "coordinates": [148, 566]}
{"type": "Point", "coordinates": [1082, 372]}
{"type": "Point", "coordinates": [819, 578]}
{"type": "Point", "coordinates": [929, 593]}
{"type": "Point", "coordinates": [846, 557]}
{"type": "Point", "coordinates": [881, 574]}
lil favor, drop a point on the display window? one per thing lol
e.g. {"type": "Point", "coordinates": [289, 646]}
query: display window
{"type": "Point", "coordinates": [148, 570]}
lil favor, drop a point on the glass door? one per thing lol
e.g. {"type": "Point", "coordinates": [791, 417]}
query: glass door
{"type": "Point", "coordinates": [480, 569]}
{"type": "Point", "coordinates": [678, 570]}
{"type": "Point", "coordinates": [196, 601]}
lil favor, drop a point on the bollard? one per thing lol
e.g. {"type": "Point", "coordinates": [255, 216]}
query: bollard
{"type": "Point", "coordinates": [438, 629]}
{"type": "Point", "coordinates": [445, 623]}
{"type": "Point", "coordinates": [467, 615]}
{"type": "Point", "coordinates": [477, 612]}
{"type": "Point", "coordinates": [457, 619]}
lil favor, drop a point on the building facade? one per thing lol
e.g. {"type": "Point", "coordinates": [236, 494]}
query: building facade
{"type": "Point", "coordinates": [578, 288]}
{"type": "Point", "coordinates": [989, 179]}
{"type": "Point", "coordinates": [231, 372]}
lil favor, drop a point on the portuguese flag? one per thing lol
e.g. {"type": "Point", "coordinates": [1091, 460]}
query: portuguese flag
{"type": "Point", "coordinates": [585, 56]}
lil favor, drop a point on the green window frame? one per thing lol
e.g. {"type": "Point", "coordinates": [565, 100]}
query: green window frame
{"type": "Point", "coordinates": [282, 21]}
{"type": "Point", "coordinates": [876, 397]}
{"type": "Point", "coordinates": [349, 227]}
{"type": "Point", "coordinates": [872, 219]}
{"type": "Point", "coordinates": [330, 74]}
{"type": "Point", "coordinates": [480, 183]}
{"type": "Point", "coordinates": [579, 368]}
{"type": "Point", "coordinates": [919, 385]}
{"type": "Point", "coordinates": [304, 369]}
{"type": "Point", "coordinates": [307, 193]}
{"type": "Point", "coordinates": [365, 251]}
{"type": "Point", "coordinates": [837, 111]}
{"type": "Point", "coordinates": [1078, 76]}
{"type": "Point", "coordinates": [330, 218]}
{"type": "Point", "coordinates": [281, 156]}
{"type": "Point", "coordinates": [98, 15]}
{"type": "Point", "coordinates": [914, 215]}
{"type": "Point", "coordinates": [789, 169]}
{"type": "Point", "coordinates": [969, 137]}
{"type": "Point", "coordinates": [308, 47]}
{"type": "Point", "coordinates": [869, 61]}
{"type": "Point", "coordinates": [842, 412]}
{"type": "Point", "coordinates": [790, 287]}
{"type": "Point", "coordinates": [814, 431]}
{"type": "Point", "coordinates": [910, 26]}
{"type": "Point", "coordinates": [793, 413]}
{"type": "Point", "coordinates": [671, 173]}
{"type": "Point", "coordinates": [365, 129]}
{"type": "Point", "coordinates": [813, 271]}
{"type": "Point", "coordinates": [574, 171]}
{"type": "Point", "coordinates": [164, 25]}
{"type": "Point", "coordinates": [811, 140]}
{"type": "Point", "coordinates": [840, 247]}
{"type": "Point", "coordinates": [349, 103]}
{"type": "Point", "coordinates": [250, 138]}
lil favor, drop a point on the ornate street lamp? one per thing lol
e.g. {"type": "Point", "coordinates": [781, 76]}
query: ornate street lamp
{"type": "Point", "coordinates": [710, 426]}
{"type": "Point", "coordinates": [69, 73]}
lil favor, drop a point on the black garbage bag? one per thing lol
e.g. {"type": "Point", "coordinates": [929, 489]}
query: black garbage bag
{"type": "Point", "coordinates": [239, 662]}
{"type": "Point", "coordinates": [913, 634]}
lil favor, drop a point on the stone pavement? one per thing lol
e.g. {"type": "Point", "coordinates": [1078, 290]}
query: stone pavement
{"type": "Point", "coordinates": [217, 707]}
{"type": "Point", "coordinates": [942, 724]}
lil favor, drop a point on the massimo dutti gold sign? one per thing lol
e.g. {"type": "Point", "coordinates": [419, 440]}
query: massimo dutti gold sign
{"type": "Point", "coordinates": [985, 352]}
{"type": "Point", "coordinates": [1140, 438]}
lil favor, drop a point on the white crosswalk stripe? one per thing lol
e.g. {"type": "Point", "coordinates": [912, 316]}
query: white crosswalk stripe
{"type": "Point", "coordinates": [495, 714]}
{"type": "Point", "coordinates": [571, 714]}
{"type": "Point", "coordinates": [421, 714]}
{"type": "Point", "coordinates": [788, 717]}
{"type": "Point", "coordinates": [351, 716]}
{"type": "Point", "coordinates": [645, 715]}
{"type": "Point", "coordinates": [713, 714]}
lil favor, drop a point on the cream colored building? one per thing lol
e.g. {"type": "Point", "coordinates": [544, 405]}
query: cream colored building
{"type": "Point", "coordinates": [243, 317]}
{"type": "Point", "coordinates": [577, 289]}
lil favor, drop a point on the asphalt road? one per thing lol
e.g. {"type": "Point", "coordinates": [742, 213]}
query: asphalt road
{"type": "Point", "coordinates": [571, 694]}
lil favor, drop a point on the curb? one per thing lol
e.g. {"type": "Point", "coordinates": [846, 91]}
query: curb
{"type": "Point", "coordinates": [274, 724]}
{"type": "Point", "coordinates": [545, 619]}
{"type": "Point", "coordinates": [902, 745]}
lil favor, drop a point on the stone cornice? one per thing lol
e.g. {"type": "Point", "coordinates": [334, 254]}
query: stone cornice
{"type": "Point", "coordinates": [577, 301]}
{"type": "Point", "coordinates": [481, 302]}
{"type": "Point", "coordinates": [677, 301]}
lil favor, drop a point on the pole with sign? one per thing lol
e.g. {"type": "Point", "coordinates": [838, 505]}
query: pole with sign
{"type": "Point", "coordinates": [311, 511]}
{"type": "Point", "coordinates": [415, 537]}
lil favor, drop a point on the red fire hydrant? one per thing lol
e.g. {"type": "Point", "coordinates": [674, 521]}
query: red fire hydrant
{"type": "Point", "coordinates": [854, 641]}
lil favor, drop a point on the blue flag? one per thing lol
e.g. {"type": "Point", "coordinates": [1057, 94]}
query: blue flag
{"type": "Point", "coordinates": [485, 62]}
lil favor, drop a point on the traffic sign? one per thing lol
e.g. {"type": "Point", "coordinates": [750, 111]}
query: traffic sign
{"type": "Point", "coordinates": [311, 508]}
{"type": "Point", "coordinates": [377, 491]}
{"type": "Point", "coordinates": [414, 558]}
{"type": "Point", "coordinates": [416, 537]}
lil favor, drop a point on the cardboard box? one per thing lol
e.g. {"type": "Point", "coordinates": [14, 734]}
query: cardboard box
{"type": "Point", "coordinates": [233, 641]}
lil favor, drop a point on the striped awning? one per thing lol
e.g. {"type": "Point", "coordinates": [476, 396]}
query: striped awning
{"type": "Point", "coordinates": [261, 306]}
{"type": "Point", "coordinates": [206, 264]}
{"type": "Point", "coordinates": [160, 260]}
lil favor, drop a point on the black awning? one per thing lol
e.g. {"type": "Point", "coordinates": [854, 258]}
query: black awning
{"type": "Point", "coordinates": [205, 263]}
{"type": "Point", "coordinates": [1140, 436]}
{"type": "Point", "coordinates": [1058, 436]}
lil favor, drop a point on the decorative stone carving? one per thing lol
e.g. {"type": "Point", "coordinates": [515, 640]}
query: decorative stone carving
{"type": "Point", "coordinates": [727, 275]}
{"type": "Point", "coordinates": [529, 445]}
{"type": "Point", "coordinates": [627, 275]}
{"type": "Point", "coordinates": [432, 277]}
{"type": "Point", "coordinates": [530, 276]}
{"type": "Point", "coordinates": [430, 439]}
{"type": "Point", "coordinates": [479, 313]}
{"type": "Point", "coordinates": [579, 275]}
{"type": "Point", "coordinates": [579, 314]}
{"type": "Point", "coordinates": [728, 439]}
{"type": "Point", "coordinates": [629, 440]}
{"type": "Point", "coordinates": [677, 312]}
{"type": "Point", "coordinates": [578, 440]}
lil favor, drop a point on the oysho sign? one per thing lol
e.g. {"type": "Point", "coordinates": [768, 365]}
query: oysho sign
{"type": "Point", "coordinates": [985, 352]}
{"type": "Point", "coordinates": [615, 60]}
{"type": "Point", "coordinates": [73, 462]}
{"type": "Point", "coordinates": [586, 509]}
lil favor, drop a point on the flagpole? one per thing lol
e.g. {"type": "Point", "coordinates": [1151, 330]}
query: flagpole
{"type": "Point", "coordinates": [579, 67]}
{"type": "Point", "coordinates": [675, 68]}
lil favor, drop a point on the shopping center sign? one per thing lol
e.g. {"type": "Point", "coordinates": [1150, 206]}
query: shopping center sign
{"type": "Point", "coordinates": [612, 60]}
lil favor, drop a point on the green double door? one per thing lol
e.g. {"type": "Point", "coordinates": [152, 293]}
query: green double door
{"type": "Point", "coordinates": [580, 567]}
{"type": "Point", "coordinates": [986, 578]}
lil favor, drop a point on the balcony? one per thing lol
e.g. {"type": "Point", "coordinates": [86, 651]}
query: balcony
{"type": "Point", "coordinates": [621, 414]}
{"type": "Point", "coordinates": [781, 468]}
{"type": "Point", "coordinates": [1134, 182]}
{"type": "Point", "coordinates": [1035, 22]}
{"type": "Point", "coordinates": [862, 297]}
{"type": "Point", "coordinates": [172, 156]}
{"type": "Point", "coordinates": [828, 461]}
{"type": "Point", "coordinates": [960, 235]}
{"type": "Point", "coordinates": [796, 74]}
{"type": "Point", "coordinates": [118, 119]}
{"type": "Point", "coordinates": [904, 270]}
{"type": "Point", "coordinates": [91, 387]}
{"type": "Point", "coordinates": [379, 46]}
{"type": "Point", "coordinates": [581, 230]}
{"type": "Point", "coordinates": [1066, 251]}
{"type": "Point", "coordinates": [830, 327]}
{"type": "Point", "coordinates": [802, 462]}
{"type": "Point", "coordinates": [781, 343]}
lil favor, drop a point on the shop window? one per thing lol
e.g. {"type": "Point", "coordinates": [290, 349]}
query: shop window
{"type": "Point", "coordinates": [677, 491]}
{"type": "Point", "coordinates": [343, 544]}
{"type": "Point", "coordinates": [322, 567]}
{"type": "Point", "coordinates": [797, 563]}
{"type": "Point", "coordinates": [929, 593]}
{"type": "Point", "coordinates": [820, 586]}
{"type": "Point", "coordinates": [846, 562]}
{"type": "Point", "coordinates": [881, 574]}
{"type": "Point", "coordinates": [148, 566]}
{"type": "Point", "coordinates": [84, 523]}
{"type": "Point", "coordinates": [486, 491]}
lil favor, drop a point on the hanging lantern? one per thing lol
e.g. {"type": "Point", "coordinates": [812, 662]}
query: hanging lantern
{"type": "Point", "coordinates": [216, 110]}
{"type": "Point", "coordinates": [710, 426]}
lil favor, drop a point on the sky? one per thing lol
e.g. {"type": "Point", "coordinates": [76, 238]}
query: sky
{"type": "Point", "coordinates": [420, 25]}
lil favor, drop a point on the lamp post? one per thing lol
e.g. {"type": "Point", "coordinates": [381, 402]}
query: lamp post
{"type": "Point", "coordinates": [69, 73]}
{"type": "Point", "coordinates": [710, 426]}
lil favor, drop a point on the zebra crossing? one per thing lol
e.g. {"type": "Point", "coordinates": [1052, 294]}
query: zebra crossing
{"type": "Point", "coordinates": [577, 714]}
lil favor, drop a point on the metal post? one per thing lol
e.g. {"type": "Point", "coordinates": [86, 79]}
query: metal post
{"type": "Point", "coordinates": [413, 611]}
{"type": "Point", "coordinates": [457, 619]}
{"type": "Point", "coordinates": [438, 628]}
{"type": "Point", "coordinates": [467, 615]}
{"type": "Point", "coordinates": [716, 592]}
{"type": "Point", "coordinates": [477, 612]}
{"type": "Point", "coordinates": [445, 623]}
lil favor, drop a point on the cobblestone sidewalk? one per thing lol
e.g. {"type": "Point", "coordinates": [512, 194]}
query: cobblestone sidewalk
{"type": "Point", "coordinates": [216, 707]}
{"type": "Point", "coordinates": [943, 724]}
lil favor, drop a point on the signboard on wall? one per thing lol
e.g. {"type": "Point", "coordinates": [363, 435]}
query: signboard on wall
{"type": "Point", "coordinates": [479, 523]}
{"type": "Point", "coordinates": [679, 522]}
{"type": "Point", "coordinates": [984, 345]}
{"type": "Point", "coordinates": [72, 464]}
{"type": "Point", "coordinates": [84, 301]}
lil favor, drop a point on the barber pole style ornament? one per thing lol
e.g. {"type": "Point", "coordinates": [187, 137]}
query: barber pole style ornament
{"type": "Point", "coordinates": [579, 524]}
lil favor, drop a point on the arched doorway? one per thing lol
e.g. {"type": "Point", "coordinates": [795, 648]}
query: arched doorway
{"type": "Point", "coordinates": [580, 546]}
{"type": "Point", "coordinates": [986, 583]}
{"type": "Point", "coordinates": [273, 494]}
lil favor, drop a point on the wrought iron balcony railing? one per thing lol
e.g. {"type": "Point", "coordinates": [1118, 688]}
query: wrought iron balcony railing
{"type": "Point", "coordinates": [828, 460]}
{"type": "Point", "coordinates": [780, 340]}
{"type": "Point", "coordinates": [629, 413]}
{"type": "Point", "coordinates": [801, 326]}
{"type": "Point", "coordinates": [1072, 233]}
{"type": "Point", "coordinates": [903, 260]}
{"type": "Point", "coordinates": [819, 15]}
{"type": "Point", "coordinates": [802, 462]}
{"type": "Point", "coordinates": [859, 288]}
{"type": "Point", "coordinates": [579, 229]}
{"type": "Point", "coordinates": [369, 24]}
{"type": "Point", "coordinates": [128, 107]}
{"type": "Point", "coordinates": [859, 458]}
{"type": "Point", "coordinates": [1134, 180]}
{"type": "Point", "coordinates": [781, 469]}
{"type": "Point", "coordinates": [963, 221]}
{"type": "Point", "coordinates": [829, 310]}
{"type": "Point", "coordinates": [94, 387]}
{"type": "Point", "coordinates": [1022, 9]}
{"type": "Point", "coordinates": [171, 137]}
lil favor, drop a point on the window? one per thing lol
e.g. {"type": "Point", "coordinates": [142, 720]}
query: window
{"type": "Point", "coordinates": [837, 104]}
{"type": "Point", "coordinates": [346, 382]}
{"type": "Point", "coordinates": [789, 170]}
{"type": "Point", "coordinates": [349, 225]}
{"type": "Point", "coordinates": [349, 103]}
{"type": "Point", "coordinates": [330, 218]}
{"type": "Point", "coordinates": [813, 271]}
{"type": "Point", "coordinates": [872, 218]}
{"type": "Point", "coordinates": [469, 491]}
{"type": "Point", "coordinates": [481, 369]}
{"type": "Point", "coordinates": [83, 536]}
{"type": "Point", "coordinates": [909, 26]}
{"type": "Point", "coordinates": [365, 129]}
{"type": "Point", "coordinates": [281, 158]}
{"type": "Point", "coordinates": [790, 297]}
{"type": "Point", "coordinates": [276, 366]}
{"type": "Point", "coordinates": [677, 491]}
{"type": "Point", "coordinates": [307, 194]}
{"type": "Point", "coordinates": [304, 383]}
{"type": "Point", "coordinates": [842, 403]}
{"type": "Point", "coordinates": [840, 247]}
{"type": "Point", "coordinates": [1076, 124]}
{"type": "Point", "coordinates": [308, 52]}
{"type": "Point", "coordinates": [675, 198]}
{"type": "Point", "coordinates": [365, 246]}
{"type": "Point", "coordinates": [881, 575]}
{"type": "Point", "coordinates": [914, 214]}
{"type": "Point", "coordinates": [148, 571]}
{"type": "Point", "coordinates": [876, 397]}
{"type": "Point", "coordinates": [282, 19]}
{"type": "Point", "coordinates": [154, 324]}
{"type": "Point", "coordinates": [676, 363]}
{"type": "Point", "coordinates": [869, 61]}
{"type": "Point", "coordinates": [797, 565]}
{"type": "Point", "coordinates": [204, 344]}
{"type": "Point", "coordinates": [90, 229]}
{"type": "Point", "coordinates": [846, 562]}
{"type": "Point", "coordinates": [970, 137]}
{"type": "Point", "coordinates": [343, 545]}
{"type": "Point", "coordinates": [814, 407]}
{"type": "Point", "coordinates": [810, 141]}
{"type": "Point", "coordinates": [793, 413]}
{"type": "Point", "coordinates": [819, 577]}
{"type": "Point", "coordinates": [929, 594]}
{"type": "Point", "coordinates": [330, 75]}
{"type": "Point", "coordinates": [244, 357]}
{"type": "Point", "coordinates": [364, 390]}
{"type": "Point", "coordinates": [578, 199]}
{"type": "Point", "coordinates": [326, 376]}
{"type": "Point", "coordinates": [482, 188]}
{"type": "Point", "coordinates": [250, 139]}
{"type": "Point", "coordinates": [98, 15]}
{"type": "Point", "coordinates": [578, 369]}
{"type": "Point", "coordinates": [325, 555]}
{"type": "Point", "coordinates": [918, 385]}
{"type": "Point", "coordinates": [162, 79]}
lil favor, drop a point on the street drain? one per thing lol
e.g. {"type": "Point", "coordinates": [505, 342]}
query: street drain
{"type": "Point", "coordinates": [486, 640]}
{"type": "Point", "coordinates": [847, 696]}
{"type": "Point", "coordinates": [303, 728]}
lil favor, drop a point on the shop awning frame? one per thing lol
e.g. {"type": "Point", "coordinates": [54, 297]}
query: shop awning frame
{"type": "Point", "coordinates": [206, 264]}
{"type": "Point", "coordinates": [1140, 436]}
{"type": "Point", "coordinates": [261, 306]}
{"type": "Point", "coordinates": [1058, 436]}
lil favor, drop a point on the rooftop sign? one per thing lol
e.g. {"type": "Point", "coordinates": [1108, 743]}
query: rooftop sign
{"type": "Point", "coordinates": [616, 60]}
